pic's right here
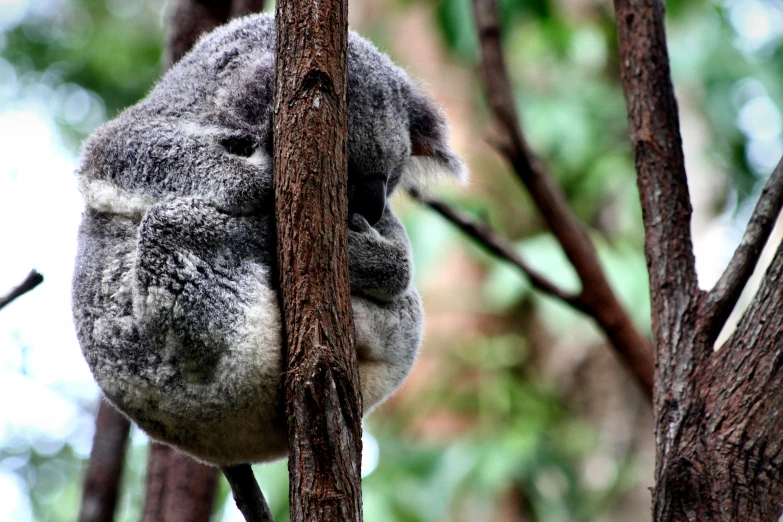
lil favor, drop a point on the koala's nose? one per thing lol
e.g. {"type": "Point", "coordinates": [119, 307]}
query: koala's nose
{"type": "Point", "coordinates": [368, 198]}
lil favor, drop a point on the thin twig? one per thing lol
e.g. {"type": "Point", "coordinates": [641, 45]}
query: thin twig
{"type": "Point", "coordinates": [597, 295]}
{"type": "Point", "coordinates": [723, 297]}
{"type": "Point", "coordinates": [32, 280]}
{"type": "Point", "coordinates": [248, 496]}
{"type": "Point", "coordinates": [498, 245]}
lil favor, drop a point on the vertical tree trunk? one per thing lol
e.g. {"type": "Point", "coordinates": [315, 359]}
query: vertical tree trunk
{"type": "Point", "coordinates": [107, 458]}
{"type": "Point", "coordinates": [179, 489]}
{"type": "Point", "coordinates": [322, 384]}
{"type": "Point", "coordinates": [719, 427]}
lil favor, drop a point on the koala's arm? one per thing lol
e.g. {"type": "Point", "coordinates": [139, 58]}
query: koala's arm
{"type": "Point", "coordinates": [387, 309]}
{"type": "Point", "coordinates": [197, 269]}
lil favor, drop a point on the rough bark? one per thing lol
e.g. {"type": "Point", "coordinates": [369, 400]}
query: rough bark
{"type": "Point", "coordinates": [321, 382]}
{"type": "Point", "coordinates": [717, 416]}
{"type": "Point", "coordinates": [179, 489]}
{"type": "Point", "coordinates": [107, 456]}
{"type": "Point", "coordinates": [596, 298]}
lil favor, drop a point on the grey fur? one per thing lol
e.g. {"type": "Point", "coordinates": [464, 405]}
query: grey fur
{"type": "Point", "coordinates": [173, 297]}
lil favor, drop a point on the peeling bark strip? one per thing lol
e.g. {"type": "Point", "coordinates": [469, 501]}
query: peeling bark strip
{"type": "Point", "coordinates": [596, 298]}
{"type": "Point", "coordinates": [718, 421]}
{"type": "Point", "coordinates": [322, 380]}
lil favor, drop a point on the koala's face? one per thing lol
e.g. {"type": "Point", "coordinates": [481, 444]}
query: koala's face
{"type": "Point", "coordinates": [394, 131]}
{"type": "Point", "coordinates": [378, 143]}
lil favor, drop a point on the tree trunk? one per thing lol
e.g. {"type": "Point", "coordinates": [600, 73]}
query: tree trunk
{"type": "Point", "coordinates": [718, 424]}
{"type": "Point", "coordinates": [179, 489]}
{"type": "Point", "coordinates": [310, 135]}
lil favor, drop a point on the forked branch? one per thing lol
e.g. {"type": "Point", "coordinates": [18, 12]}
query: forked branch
{"type": "Point", "coordinates": [723, 297]}
{"type": "Point", "coordinates": [717, 420]}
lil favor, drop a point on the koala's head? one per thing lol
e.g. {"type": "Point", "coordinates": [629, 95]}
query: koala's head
{"type": "Point", "coordinates": [396, 134]}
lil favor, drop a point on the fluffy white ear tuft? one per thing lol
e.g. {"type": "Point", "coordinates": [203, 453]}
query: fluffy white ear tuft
{"type": "Point", "coordinates": [422, 170]}
{"type": "Point", "coordinates": [431, 156]}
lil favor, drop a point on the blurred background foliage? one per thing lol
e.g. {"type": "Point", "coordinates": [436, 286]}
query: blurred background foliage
{"type": "Point", "coordinates": [516, 409]}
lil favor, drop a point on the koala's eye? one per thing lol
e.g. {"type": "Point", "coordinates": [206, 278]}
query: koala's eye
{"type": "Point", "coordinates": [239, 146]}
{"type": "Point", "coordinates": [368, 198]}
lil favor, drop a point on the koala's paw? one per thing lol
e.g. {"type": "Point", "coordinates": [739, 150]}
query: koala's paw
{"type": "Point", "coordinates": [380, 264]}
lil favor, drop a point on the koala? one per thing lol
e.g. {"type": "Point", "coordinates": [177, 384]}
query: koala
{"type": "Point", "coordinates": [175, 300]}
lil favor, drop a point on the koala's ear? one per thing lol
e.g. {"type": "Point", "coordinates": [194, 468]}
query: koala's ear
{"type": "Point", "coordinates": [431, 154]}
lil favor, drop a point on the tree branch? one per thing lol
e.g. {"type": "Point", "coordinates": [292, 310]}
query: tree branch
{"type": "Point", "coordinates": [107, 456]}
{"type": "Point", "coordinates": [660, 167]}
{"type": "Point", "coordinates": [32, 280]}
{"type": "Point", "coordinates": [597, 295]}
{"type": "Point", "coordinates": [499, 246]}
{"type": "Point", "coordinates": [720, 301]}
{"type": "Point", "coordinates": [248, 496]}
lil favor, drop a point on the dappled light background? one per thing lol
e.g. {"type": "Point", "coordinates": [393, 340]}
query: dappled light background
{"type": "Point", "coordinates": [516, 409]}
